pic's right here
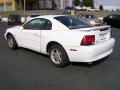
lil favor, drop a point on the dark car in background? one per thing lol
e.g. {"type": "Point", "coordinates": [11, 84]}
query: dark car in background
{"type": "Point", "coordinates": [67, 10]}
{"type": "Point", "coordinates": [14, 19]}
{"type": "Point", "coordinates": [0, 18]}
{"type": "Point", "coordinates": [90, 18]}
{"type": "Point", "coordinates": [32, 16]}
{"type": "Point", "coordinates": [113, 20]}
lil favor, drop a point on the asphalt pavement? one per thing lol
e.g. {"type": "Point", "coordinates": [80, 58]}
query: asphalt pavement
{"type": "Point", "coordinates": [23, 69]}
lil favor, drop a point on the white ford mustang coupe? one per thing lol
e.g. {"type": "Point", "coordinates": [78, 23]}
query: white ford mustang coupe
{"type": "Point", "coordinates": [64, 38]}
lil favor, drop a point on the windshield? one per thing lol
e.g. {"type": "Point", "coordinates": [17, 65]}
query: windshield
{"type": "Point", "coordinates": [72, 22]}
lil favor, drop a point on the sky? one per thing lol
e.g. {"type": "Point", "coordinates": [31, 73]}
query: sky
{"type": "Point", "coordinates": [108, 2]}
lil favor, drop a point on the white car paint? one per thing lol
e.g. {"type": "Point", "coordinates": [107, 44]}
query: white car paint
{"type": "Point", "coordinates": [70, 40]}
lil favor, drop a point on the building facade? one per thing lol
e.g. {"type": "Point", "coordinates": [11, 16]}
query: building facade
{"type": "Point", "coordinates": [7, 5]}
{"type": "Point", "coordinates": [13, 5]}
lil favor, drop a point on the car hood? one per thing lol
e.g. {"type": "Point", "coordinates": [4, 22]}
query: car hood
{"type": "Point", "coordinates": [15, 27]}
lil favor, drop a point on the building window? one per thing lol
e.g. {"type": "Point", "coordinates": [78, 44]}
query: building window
{"type": "Point", "coordinates": [9, 6]}
{"type": "Point", "coordinates": [48, 4]}
{"type": "Point", "coordinates": [1, 7]}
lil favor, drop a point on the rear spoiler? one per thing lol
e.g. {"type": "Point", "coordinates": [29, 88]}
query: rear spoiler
{"type": "Point", "coordinates": [101, 28]}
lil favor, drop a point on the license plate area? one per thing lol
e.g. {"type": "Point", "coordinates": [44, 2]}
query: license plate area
{"type": "Point", "coordinates": [103, 36]}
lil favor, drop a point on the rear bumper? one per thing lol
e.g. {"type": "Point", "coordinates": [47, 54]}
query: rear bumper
{"type": "Point", "coordinates": [91, 53]}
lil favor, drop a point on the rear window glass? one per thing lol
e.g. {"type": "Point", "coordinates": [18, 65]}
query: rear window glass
{"type": "Point", "coordinates": [72, 22]}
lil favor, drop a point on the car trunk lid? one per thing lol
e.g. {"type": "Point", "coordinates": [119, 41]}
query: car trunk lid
{"type": "Point", "coordinates": [102, 33]}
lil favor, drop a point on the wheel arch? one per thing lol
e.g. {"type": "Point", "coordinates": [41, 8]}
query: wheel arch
{"type": "Point", "coordinates": [14, 43]}
{"type": "Point", "coordinates": [65, 59]}
{"type": "Point", "coordinates": [8, 34]}
{"type": "Point", "coordinates": [52, 43]}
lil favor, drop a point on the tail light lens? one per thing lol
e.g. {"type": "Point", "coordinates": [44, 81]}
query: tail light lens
{"type": "Point", "coordinates": [88, 40]}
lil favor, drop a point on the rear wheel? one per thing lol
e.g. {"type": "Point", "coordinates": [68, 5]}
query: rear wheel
{"type": "Point", "coordinates": [58, 55]}
{"type": "Point", "coordinates": [12, 42]}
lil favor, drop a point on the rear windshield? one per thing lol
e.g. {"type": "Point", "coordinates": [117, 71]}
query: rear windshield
{"type": "Point", "coordinates": [72, 22]}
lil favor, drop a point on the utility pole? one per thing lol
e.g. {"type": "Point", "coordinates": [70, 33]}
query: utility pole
{"type": "Point", "coordinates": [95, 3]}
{"type": "Point", "coordinates": [24, 11]}
{"type": "Point", "coordinates": [61, 4]}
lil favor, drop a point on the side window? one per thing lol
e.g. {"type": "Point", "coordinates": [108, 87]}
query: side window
{"type": "Point", "coordinates": [118, 17]}
{"type": "Point", "coordinates": [87, 16]}
{"type": "Point", "coordinates": [48, 25]}
{"type": "Point", "coordinates": [35, 24]}
{"type": "Point", "coordinates": [38, 24]}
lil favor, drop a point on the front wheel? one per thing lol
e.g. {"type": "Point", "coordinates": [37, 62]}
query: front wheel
{"type": "Point", "coordinates": [58, 55]}
{"type": "Point", "coordinates": [12, 42]}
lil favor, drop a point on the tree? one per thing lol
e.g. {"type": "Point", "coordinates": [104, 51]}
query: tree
{"type": "Point", "coordinates": [76, 2]}
{"type": "Point", "coordinates": [101, 7]}
{"type": "Point", "coordinates": [88, 3]}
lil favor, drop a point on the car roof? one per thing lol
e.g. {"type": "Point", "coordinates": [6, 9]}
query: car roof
{"type": "Point", "coordinates": [86, 14]}
{"type": "Point", "coordinates": [14, 15]}
{"type": "Point", "coordinates": [115, 14]}
{"type": "Point", "coordinates": [49, 16]}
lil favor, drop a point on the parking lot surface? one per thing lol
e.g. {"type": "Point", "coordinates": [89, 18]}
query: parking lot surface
{"type": "Point", "coordinates": [23, 69]}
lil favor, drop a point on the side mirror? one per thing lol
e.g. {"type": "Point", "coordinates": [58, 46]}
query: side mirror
{"type": "Point", "coordinates": [21, 27]}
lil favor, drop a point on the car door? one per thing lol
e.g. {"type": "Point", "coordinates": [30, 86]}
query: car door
{"type": "Point", "coordinates": [45, 35]}
{"type": "Point", "coordinates": [30, 36]}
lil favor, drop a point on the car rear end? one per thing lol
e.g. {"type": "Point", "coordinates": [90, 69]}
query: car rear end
{"type": "Point", "coordinates": [86, 43]}
{"type": "Point", "coordinates": [95, 44]}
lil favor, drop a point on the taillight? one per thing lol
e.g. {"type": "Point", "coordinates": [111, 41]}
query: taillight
{"type": "Point", "coordinates": [88, 40]}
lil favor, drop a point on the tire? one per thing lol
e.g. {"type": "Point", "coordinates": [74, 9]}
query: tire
{"type": "Point", "coordinates": [12, 44]}
{"type": "Point", "coordinates": [58, 55]}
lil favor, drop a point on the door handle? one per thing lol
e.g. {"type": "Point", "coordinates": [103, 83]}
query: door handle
{"type": "Point", "coordinates": [36, 35]}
